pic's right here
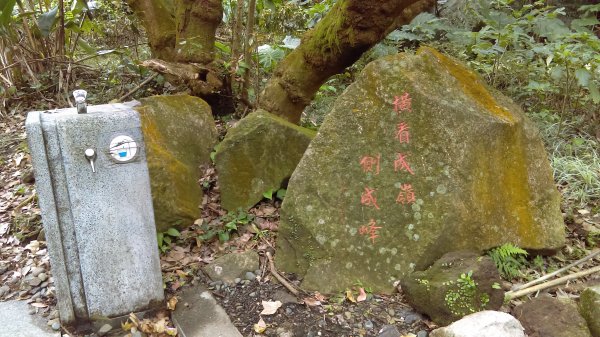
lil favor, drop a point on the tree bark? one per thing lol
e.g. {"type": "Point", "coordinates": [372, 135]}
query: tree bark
{"type": "Point", "coordinates": [197, 22]}
{"type": "Point", "coordinates": [336, 42]}
{"type": "Point", "coordinates": [158, 19]}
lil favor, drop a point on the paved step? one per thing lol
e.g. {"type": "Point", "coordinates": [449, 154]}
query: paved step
{"type": "Point", "coordinates": [15, 321]}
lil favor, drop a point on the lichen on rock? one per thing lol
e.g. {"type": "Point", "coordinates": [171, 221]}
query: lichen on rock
{"type": "Point", "coordinates": [416, 159]}
{"type": "Point", "coordinates": [179, 134]}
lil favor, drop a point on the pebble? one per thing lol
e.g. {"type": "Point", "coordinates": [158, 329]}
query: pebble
{"type": "Point", "coordinates": [422, 333]}
{"type": "Point", "coordinates": [348, 314]}
{"type": "Point", "coordinates": [4, 290]}
{"type": "Point", "coordinates": [53, 314]}
{"type": "Point", "coordinates": [34, 281]}
{"type": "Point", "coordinates": [43, 276]}
{"type": "Point", "coordinates": [288, 311]}
{"type": "Point", "coordinates": [257, 272]}
{"type": "Point", "coordinates": [253, 294]}
{"type": "Point", "coordinates": [35, 271]}
{"type": "Point", "coordinates": [411, 318]}
{"type": "Point", "coordinates": [389, 331]}
{"type": "Point", "coordinates": [3, 269]}
{"type": "Point", "coordinates": [104, 329]}
{"type": "Point", "coordinates": [368, 325]}
{"type": "Point", "coordinates": [237, 280]}
{"type": "Point", "coordinates": [391, 312]}
{"type": "Point", "coordinates": [250, 276]}
{"type": "Point", "coordinates": [136, 334]}
{"type": "Point", "coordinates": [31, 311]}
{"type": "Point", "coordinates": [55, 326]}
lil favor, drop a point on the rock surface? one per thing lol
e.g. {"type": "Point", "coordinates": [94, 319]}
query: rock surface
{"type": "Point", "coordinates": [551, 317]}
{"type": "Point", "coordinates": [416, 159]}
{"type": "Point", "coordinates": [256, 156]}
{"type": "Point", "coordinates": [231, 266]}
{"type": "Point", "coordinates": [589, 306]}
{"type": "Point", "coordinates": [180, 134]}
{"type": "Point", "coordinates": [444, 291]}
{"type": "Point", "coordinates": [482, 324]}
{"type": "Point", "coordinates": [202, 316]}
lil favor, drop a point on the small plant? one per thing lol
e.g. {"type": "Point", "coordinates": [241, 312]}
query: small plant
{"type": "Point", "coordinates": [463, 299]}
{"type": "Point", "coordinates": [509, 260]}
{"type": "Point", "coordinates": [279, 194]}
{"type": "Point", "coordinates": [228, 224]}
{"type": "Point", "coordinates": [165, 238]}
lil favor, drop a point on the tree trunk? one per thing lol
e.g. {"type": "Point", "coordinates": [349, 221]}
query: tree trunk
{"type": "Point", "coordinates": [158, 19]}
{"type": "Point", "coordinates": [336, 42]}
{"type": "Point", "coordinates": [197, 22]}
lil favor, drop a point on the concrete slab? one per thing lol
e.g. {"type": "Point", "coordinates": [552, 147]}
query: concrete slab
{"type": "Point", "coordinates": [15, 321]}
{"type": "Point", "coordinates": [203, 317]}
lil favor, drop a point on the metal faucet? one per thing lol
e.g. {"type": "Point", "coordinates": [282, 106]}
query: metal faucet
{"type": "Point", "coordinates": [80, 103]}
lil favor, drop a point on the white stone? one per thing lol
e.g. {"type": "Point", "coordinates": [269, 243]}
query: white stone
{"type": "Point", "coordinates": [483, 324]}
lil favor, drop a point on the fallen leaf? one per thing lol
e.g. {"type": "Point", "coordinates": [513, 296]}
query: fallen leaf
{"type": "Point", "coordinates": [362, 296]}
{"type": "Point", "coordinates": [171, 331]}
{"type": "Point", "coordinates": [269, 308]}
{"type": "Point", "coordinates": [172, 303]}
{"type": "Point", "coordinates": [19, 158]}
{"type": "Point", "coordinates": [311, 302]}
{"type": "Point", "coordinates": [319, 296]}
{"type": "Point", "coordinates": [350, 296]}
{"type": "Point", "coordinates": [583, 211]}
{"type": "Point", "coordinates": [39, 305]}
{"type": "Point", "coordinates": [260, 327]}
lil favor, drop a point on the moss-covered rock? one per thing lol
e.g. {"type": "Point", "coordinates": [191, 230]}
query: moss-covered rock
{"type": "Point", "coordinates": [589, 306]}
{"type": "Point", "coordinates": [416, 159]}
{"type": "Point", "coordinates": [551, 317]}
{"type": "Point", "coordinates": [458, 284]}
{"type": "Point", "coordinates": [257, 155]}
{"type": "Point", "coordinates": [179, 133]}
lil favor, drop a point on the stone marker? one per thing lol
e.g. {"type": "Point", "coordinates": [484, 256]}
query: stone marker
{"type": "Point", "coordinates": [551, 317]}
{"type": "Point", "coordinates": [416, 159]}
{"type": "Point", "coordinates": [231, 266]}
{"type": "Point", "coordinates": [256, 156]}
{"type": "Point", "coordinates": [199, 315]}
{"type": "Point", "coordinates": [180, 134]}
{"type": "Point", "coordinates": [15, 321]}
{"type": "Point", "coordinates": [589, 306]}
{"type": "Point", "coordinates": [94, 195]}
{"type": "Point", "coordinates": [483, 324]}
{"type": "Point", "coordinates": [445, 296]}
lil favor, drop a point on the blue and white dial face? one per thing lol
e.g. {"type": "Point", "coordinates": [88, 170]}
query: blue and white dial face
{"type": "Point", "coordinates": [123, 148]}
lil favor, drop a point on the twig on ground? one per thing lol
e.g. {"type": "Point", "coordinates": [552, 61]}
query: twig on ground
{"type": "Point", "coordinates": [138, 87]}
{"type": "Point", "coordinates": [560, 271]}
{"type": "Point", "coordinates": [22, 203]}
{"type": "Point", "coordinates": [280, 278]}
{"type": "Point", "coordinates": [515, 294]}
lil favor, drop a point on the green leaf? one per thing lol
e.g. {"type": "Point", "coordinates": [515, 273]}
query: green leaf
{"type": "Point", "coordinates": [496, 285]}
{"type": "Point", "coordinates": [224, 236]}
{"type": "Point", "coordinates": [87, 48]}
{"type": "Point", "coordinates": [173, 232]}
{"type": "Point", "coordinates": [583, 76]}
{"type": "Point", "coordinates": [594, 93]}
{"type": "Point", "coordinates": [7, 10]}
{"type": "Point", "coordinates": [268, 194]}
{"type": "Point", "coordinates": [47, 21]}
{"type": "Point", "coordinates": [231, 226]}
{"type": "Point", "coordinates": [281, 193]}
{"type": "Point", "coordinates": [223, 47]}
{"type": "Point", "coordinates": [160, 238]}
{"type": "Point", "coordinates": [167, 240]}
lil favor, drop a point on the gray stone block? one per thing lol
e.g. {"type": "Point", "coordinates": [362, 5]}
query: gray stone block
{"type": "Point", "coordinates": [99, 225]}
{"type": "Point", "coordinates": [15, 321]}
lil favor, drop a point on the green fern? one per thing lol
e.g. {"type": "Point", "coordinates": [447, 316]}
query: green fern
{"type": "Point", "coordinates": [509, 260]}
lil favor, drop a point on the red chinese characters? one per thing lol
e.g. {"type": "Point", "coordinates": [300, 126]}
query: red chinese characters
{"type": "Point", "coordinates": [402, 133]}
{"type": "Point", "coordinates": [402, 103]}
{"type": "Point", "coordinates": [370, 229]}
{"type": "Point", "coordinates": [368, 198]}
{"type": "Point", "coordinates": [400, 164]}
{"type": "Point", "coordinates": [370, 163]}
{"type": "Point", "coordinates": [406, 195]}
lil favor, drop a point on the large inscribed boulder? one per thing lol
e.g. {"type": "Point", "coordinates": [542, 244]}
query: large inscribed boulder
{"type": "Point", "coordinates": [180, 134]}
{"type": "Point", "coordinates": [416, 159]}
{"type": "Point", "coordinates": [256, 156]}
